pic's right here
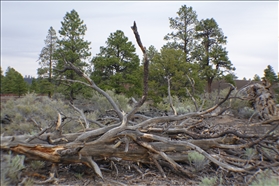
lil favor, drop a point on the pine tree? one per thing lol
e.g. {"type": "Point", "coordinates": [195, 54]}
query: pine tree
{"type": "Point", "coordinates": [13, 83]}
{"type": "Point", "coordinates": [72, 48]}
{"type": "Point", "coordinates": [270, 75]}
{"type": "Point", "coordinates": [211, 54]}
{"type": "Point", "coordinates": [184, 26]}
{"type": "Point", "coordinates": [47, 59]}
{"type": "Point", "coordinates": [1, 80]}
{"type": "Point", "coordinates": [256, 77]}
{"type": "Point", "coordinates": [117, 66]}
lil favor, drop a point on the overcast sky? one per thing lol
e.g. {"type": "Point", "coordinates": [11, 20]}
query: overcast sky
{"type": "Point", "coordinates": [251, 28]}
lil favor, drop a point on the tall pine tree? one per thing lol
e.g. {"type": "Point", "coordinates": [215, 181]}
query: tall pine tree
{"type": "Point", "coordinates": [211, 54]}
{"type": "Point", "coordinates": [184, 29]}
{"type": "Point", "coordinates": [72, 48]}
{"type": "Point", "coordinates": [117, 66]}
{"type": "Point", "coordinates": [47, 60]}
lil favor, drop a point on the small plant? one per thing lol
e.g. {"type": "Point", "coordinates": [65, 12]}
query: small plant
{"type": "Point", "coordinates": [36, 165]}
{"type": "Point", "coordinates": [11, 167]}
{"type": "Point", "coordinates": [249, 153]}
{"type": "Point", "coordinates": [197, 160]}
{"type": "Point", "coordinates": [208, 181]}
{"type": "Point", "coordinates": [265, 178]}
{"type": "Point", "coordinates": [79, 175]}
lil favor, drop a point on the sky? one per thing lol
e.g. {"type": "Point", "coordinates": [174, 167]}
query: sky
{"type": "Point", "coordinates": [251, 28]}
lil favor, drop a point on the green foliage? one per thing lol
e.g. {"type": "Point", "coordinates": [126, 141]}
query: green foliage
{"type": "Point", "coordinates": [249, 153]}
{"type": "Point", "coordinates": [47, 60]}
{"type": "Point", "coordinates": [208, 181]}
{"type": "Point", "coordinates": [256, 77]}
{"type": "Point", "coordinates": [79, 175]}
{"type": "Point", "coordinates": [170, 63]}
{"type": "Point", "coordinates": [37, 164]}
{"type": "Point", "coordinates": [266, 178]}
{"type": "Point", "coordinates": [42, 110]}
{"type": "Point", "coordinates": [197, 160]}
{"type": "Point", "coordinates": [117, 66]}
{"type": "Point", "coordinates": [101, 104]}
{"type": "Point", "coordinates": [270, 75]}
{"type": "Point", "coordinates": [229, 78]}
{"type": "Point", "coordinates": [11, 167]}
{"type": "Point", "coordinates": [72, 48]}
{"type": "Point", "coordinates": [211, 54]}
{"type": "Point", "coordinates": [13, 83]}
{"type": "Point", "coordinates": [183, 36]}
{"type": "Point", "coordinates": [1, 80]}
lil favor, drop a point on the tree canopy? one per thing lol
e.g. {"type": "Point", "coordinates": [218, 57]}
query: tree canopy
{"type": "Point", "coordinates": [211, 54]}
{"type": "Point", "coordinates": [13, 83]}
{"type": "Point", "coordinates": [184, 29]}
{"type": "Point", "coordinates": [47, 60]}
{"type": "Point", "coordinates": [117, 66]}
{"type": "Point", "coordinates": [73, 48]}
{"type": "Point", "coordinates": [270, 75]}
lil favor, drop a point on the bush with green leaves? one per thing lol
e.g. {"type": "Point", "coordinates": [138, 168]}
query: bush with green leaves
{"type": "Point", "coordinates": [32, 112]}
{"type": "Point", "coordinates": [266, 178]}
{"type": "Point", "coordinates": [197, 160]}
{"type": "Point", "coordinates": [249, 153]}
{"type": "Point", "coordinates": [100, 104]}
{"type": "Point", "coordinates": [11, 167]}
{"type": "Point", "coordinates": [208, 181]}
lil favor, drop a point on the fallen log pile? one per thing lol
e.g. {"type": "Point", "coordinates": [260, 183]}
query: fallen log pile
{"type": "Point", "coordinates": [184, 144]}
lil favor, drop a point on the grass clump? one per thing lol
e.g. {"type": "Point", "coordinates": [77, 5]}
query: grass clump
{"type": "Point", "coordinates": [197, 160]}
{"type": "Point", "coordinates": [266, 178]}
{"type": "Point", "coordinates": [37, 164]}
{"type": "Point", "coordinates": [11, 167]}
{"type": "Point", "coordinates": [208, 181]}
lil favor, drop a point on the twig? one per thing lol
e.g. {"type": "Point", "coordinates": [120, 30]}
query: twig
{"type": "Point", "coordinates": [82, 115]}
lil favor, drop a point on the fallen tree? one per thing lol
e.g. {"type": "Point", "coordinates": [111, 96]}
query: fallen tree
{"type": "Point", "coordinates": [165, 141]}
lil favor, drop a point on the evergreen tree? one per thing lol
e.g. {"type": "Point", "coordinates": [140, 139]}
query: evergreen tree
{"type": "Point", "coordinates": [117, 66]}
{"type": "Point", "coordinates": [47, 60]}
{"type": "Point", "coordinates": [34, 87]}
{"type": "Point", "coordinates": [256, 78]}
{"type": "Point", "coordinates": [21, 87]}
{"type": "Point", "coordinates": [211, 54]}
{"type": "Point", "coordinates": [184, 26]}
{"type": "Point", "coordinates": [13, 83]}
{"type": "Point", "coordinates": [270, 75]}
{"type": "Point", "coordinates": [1, 80]}
{"type": "Point", "coordinates": [170, 63]}
{"type": "Point", "coordinates": [72, 48]}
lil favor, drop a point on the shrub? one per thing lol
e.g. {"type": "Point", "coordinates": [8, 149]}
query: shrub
{"type": "Point", "coordinates": [265, 178]}
{"type": "Point", "coordinates": [197, 160]}
{"type": "Point", "coordinates": [11, 167]}
{"type": "Point", "coordinates": [208, 181]}
{"type": "Point", "coordinates": [24, 111]}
